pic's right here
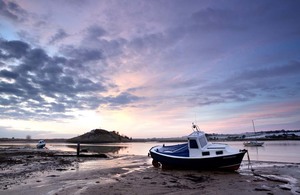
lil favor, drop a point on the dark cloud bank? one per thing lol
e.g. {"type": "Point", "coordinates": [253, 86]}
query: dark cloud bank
{"type": "Point", "coordinates": [36, 85]}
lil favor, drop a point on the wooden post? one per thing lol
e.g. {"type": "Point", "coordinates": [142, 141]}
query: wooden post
{"type": "Point", "coordinates": [78, 148]}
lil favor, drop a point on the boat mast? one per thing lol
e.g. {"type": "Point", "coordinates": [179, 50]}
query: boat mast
{"type": "Point", "coordinates": [253, 127]}
{"type": "Point", "coordinates": [254, 130]}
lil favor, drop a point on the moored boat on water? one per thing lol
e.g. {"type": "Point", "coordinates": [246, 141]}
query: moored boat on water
{"type": "Point", "coordinates": [253, 143]}
{"type": "Point", "coordinates": [197, 153]}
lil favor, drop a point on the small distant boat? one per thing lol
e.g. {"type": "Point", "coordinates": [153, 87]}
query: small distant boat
{"type": "Point", "coordinates": [197, 153]}
{"type": "Point", "coordinates": [253, 142]}
{"type": "Point", "coordinates": [41, 144]}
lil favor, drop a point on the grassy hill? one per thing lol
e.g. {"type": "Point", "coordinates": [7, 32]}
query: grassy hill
{"type": "Point", "coordinates": [99, 136]}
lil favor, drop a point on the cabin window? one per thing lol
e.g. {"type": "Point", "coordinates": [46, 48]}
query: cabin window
{"type": "Point", "coordinates": [193, 143]}
{"type": "Point", "coordinates": [219, 152]}
{"type": "Point", "coordinates": [203, 141]}
{"type": "Point", "coordinates": [205, 153]}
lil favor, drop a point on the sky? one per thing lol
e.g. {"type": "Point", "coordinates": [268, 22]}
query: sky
{"type": "Point", "coordinates": [148, 68]}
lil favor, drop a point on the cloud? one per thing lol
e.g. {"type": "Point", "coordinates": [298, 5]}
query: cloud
{"type": "Point", "coordinates": [48, 87]}
{"type": "Point", "coordinates": [14, 49]}
{"type": "Point", "coordinates": [83, 54]}
{"type": "Point", "coordinates": [122, 99]}
{"type": "Point", "coordinates": [216, 19]}
{"type": "Point", "coordinates": [12, 11]}
{"type": "Point", "coordinates": [9, 132]}
{"type": "Point", "coordinates": [291, 68]}
{"type": "Point", "coordinates": [59, 35]}
{"type": "Point", "coordinates": [251, 84]}
{"type": "Point", "coordinates": [8, 74]}
{"type": "Point", "coordinates": [95, 32]}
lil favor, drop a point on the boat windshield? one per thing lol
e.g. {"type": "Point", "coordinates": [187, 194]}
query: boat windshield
{"type": "Point", "coordinates": [193, 143]}
{"type": "Point", "coordinates": [202, 141]}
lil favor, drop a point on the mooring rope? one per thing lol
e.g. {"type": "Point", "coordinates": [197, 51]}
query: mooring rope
{"type": "Point", "coordinates": [249, 162]}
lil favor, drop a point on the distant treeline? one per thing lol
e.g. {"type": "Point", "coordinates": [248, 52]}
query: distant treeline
{"type": "Point", "coordinates": [31, 140]}
{"type": "Point", "coordinates": [114, 136]}
{"type": "Point", "coordinates": [278, 131]}
{"type": "Point", "coordinates": [261, 135]}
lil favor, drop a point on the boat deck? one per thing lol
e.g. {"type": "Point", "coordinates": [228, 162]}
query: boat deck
{"type": "Point", "coordinates": [175, 150]}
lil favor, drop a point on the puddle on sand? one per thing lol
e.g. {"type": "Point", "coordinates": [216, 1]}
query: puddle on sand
{"type": "Point", "coordinates": [274, 171]}
{"type": "Point", "coordinates": [121, 165]}
{"type": "Point", "coordinates": [115, 162]}
{"type": "Point", "coordinates": [246, 167]}
{"type": "Point", "coordinates": [290, 183]}
{"type": "Point", "coordinates": [78, 186]}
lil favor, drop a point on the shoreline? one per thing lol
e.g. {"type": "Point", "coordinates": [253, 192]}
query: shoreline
{"type": "Point", "coordinates": [134, 174]}
{"type": "Point", "coordinates": [138, 140]}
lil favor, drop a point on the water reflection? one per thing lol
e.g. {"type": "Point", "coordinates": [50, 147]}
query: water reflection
{"type": "Point", "coordinates": [99, 149]}
{"type": "Point", "coordinates": [254, 151]}
{"type": "Point", "coordinates": [275, 151]}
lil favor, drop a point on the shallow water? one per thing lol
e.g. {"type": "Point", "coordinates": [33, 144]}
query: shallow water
{"type": "Point", "coordinates": [272, 151]}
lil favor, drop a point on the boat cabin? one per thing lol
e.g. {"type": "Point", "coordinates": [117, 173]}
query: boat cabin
{"type": "Point", "coordinates": [199, 146]}
{"type": "Point", "coordinates": [196, 141]}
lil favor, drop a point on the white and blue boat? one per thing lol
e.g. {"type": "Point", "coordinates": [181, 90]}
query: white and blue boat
{"type": "Point", "coordinates": [197, 153]}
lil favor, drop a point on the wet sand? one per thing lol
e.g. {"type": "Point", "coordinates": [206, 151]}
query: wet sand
{"type": "Point", "coordinates": [39, 172]}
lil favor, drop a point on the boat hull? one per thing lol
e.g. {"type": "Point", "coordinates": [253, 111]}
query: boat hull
{"type": "Point", "coordinates": [226, 162]}
{"type": "Point", "coordinates": [40, 146]}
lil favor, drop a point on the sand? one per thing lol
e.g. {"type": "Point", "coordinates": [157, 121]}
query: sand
{"type": "Point", "coordinates": [39, 172]}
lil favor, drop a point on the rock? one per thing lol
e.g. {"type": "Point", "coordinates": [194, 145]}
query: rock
{"type": "Point", "coordinates": [53, 176]}
{"type": "Point", "coordinates": [285, 187]}
{"type": "Point", "coordinates": [61, 169]}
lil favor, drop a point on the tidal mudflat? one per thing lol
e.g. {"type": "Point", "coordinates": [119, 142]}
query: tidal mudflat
{"type": "Point", "coordinates": [31, 171]}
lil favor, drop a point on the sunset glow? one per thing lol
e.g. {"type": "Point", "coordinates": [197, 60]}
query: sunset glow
{"type": "Point", "coordinates": [148, 68]}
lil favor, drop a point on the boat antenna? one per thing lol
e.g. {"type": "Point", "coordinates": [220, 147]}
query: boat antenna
{"type": "Point", "coordinates": [195, 127]}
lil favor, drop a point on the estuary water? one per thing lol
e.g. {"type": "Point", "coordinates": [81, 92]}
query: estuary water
{"type": "Point", "coordinates": [272, 151]}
